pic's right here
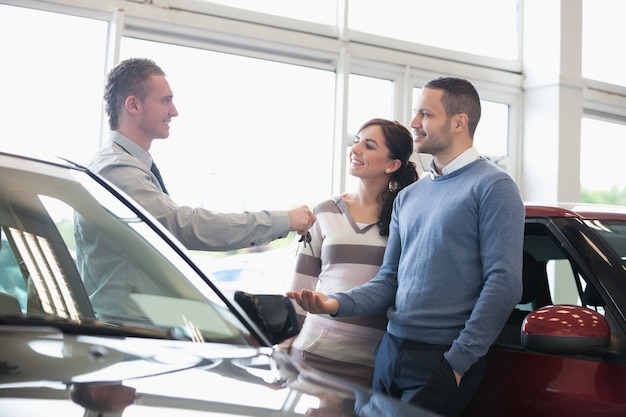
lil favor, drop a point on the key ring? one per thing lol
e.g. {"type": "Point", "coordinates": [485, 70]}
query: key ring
{"type": "Point", "coordinates": [305, 238]}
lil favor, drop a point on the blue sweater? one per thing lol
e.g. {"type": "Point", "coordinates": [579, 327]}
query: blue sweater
{"type": "Point", "coordinates": [452, 270]}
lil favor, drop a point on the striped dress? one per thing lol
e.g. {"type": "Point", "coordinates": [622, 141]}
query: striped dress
{"type": "Point", "coordinates": [341, 255]}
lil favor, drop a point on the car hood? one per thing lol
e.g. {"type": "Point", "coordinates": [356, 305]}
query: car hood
{"type": "Point", "coordinates": [42, 369]}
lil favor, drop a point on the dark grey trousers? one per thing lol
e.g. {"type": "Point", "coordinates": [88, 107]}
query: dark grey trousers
{"type": "Point", "coordinates": [417, 373]}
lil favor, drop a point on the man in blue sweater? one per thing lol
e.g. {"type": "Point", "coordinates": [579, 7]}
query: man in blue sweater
{"type": "Point", "coordinates": [452, 269]}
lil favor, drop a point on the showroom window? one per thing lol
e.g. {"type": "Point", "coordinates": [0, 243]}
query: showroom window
{"type": "Point", "coordinates": [368, 98]}
{"type": "Point", "coordinates": [253, 134]}
{"type": "Point", "coordinates": [51, 82]}
{"type": "Point", "coordinates": [603, 146]}
{"type": "Point", "coordinates": [411, 21]}
{"type": "Point", "coordinates": [256, 92]}
{"type": "Point", "coordinates": [602, 36]}
{"type": "Point", "coordinates": [467, 28]}
{"type": "Point", "coordinates": [317, 11]}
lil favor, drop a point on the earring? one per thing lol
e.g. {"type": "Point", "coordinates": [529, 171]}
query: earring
{"type": "Point", "coordinates": [387, 171]}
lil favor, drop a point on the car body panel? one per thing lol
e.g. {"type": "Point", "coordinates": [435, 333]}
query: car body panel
{"type": "Point", "coordinates": [183, 349]}
{"type": "Point", "coordinates": [41, 366]}
{"type": "Point", "coordinates": [521, 383]}
{"type": "Point", "coordinates": [551, 361]}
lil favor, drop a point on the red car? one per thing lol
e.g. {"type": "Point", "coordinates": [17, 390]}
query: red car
{"type": "Point", "coordinates": [563, 349]}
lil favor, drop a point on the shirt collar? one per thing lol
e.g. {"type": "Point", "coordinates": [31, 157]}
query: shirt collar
{"type": "Point", "coordinates": [131, 148]}
{"type": "Point", "coordinates": [466, 158]}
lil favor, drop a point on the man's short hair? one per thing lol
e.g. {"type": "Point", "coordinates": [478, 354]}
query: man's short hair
{"type": "Point", "coordinates": [128, 78]}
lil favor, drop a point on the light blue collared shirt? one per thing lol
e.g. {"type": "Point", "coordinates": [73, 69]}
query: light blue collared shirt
{"type": "Point", "coordinates": [467, 157]}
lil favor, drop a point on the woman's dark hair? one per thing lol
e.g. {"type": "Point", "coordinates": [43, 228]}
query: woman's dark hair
{"type": "Point", "coordinates": [400, 143]}
{"type": "Point", "coordinates": [129, 78]}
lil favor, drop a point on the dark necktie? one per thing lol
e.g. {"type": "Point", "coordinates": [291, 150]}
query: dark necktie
{"type": "Point", "coordinates": [157, 174]}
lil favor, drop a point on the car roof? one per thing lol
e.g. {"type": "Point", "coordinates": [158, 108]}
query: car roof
{"type": "Point", "coordinates": [576, 210]}
{"type": "Point", "coordinates": [40, 157]}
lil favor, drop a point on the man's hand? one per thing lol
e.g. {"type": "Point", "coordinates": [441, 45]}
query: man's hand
{"type": "Point", "coordinates": [314, 302]}
{"type": "Point", "coordinates": [301, 219]}
{"type": "Point", "coordinates": [458, 378]}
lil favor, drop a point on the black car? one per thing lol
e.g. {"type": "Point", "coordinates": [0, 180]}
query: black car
{"type": "Point", "coordinates": [171, 343]}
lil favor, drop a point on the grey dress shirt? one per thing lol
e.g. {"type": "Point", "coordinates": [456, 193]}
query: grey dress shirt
{"type": "Point", "coordinates": [110, 277]}
{"type": "Point", "coordinates": [126, 165]}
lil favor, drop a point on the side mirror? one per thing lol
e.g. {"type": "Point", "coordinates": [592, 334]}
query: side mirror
{"type": "Point", "coordinates": [273, 313]}
{"type": "Point", "coordinates": [565, 329]}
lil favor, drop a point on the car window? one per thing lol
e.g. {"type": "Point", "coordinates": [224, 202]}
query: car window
{"type": "Point", "coordinates": [70, 252]}
{"type": "Point", "coordinates": [11, 282]}
{"type": "Point", "coordinates": [563, 283]}
{"type": "Point", "coordinates": [614, 233]}
{"type": "Point", "coordinates": [561, 278]}
{"type": "Point", "coordinates": [550, 276]}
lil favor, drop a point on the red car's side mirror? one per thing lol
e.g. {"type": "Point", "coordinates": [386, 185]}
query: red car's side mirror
{"type": "Point", "coordinates": [565, 329]}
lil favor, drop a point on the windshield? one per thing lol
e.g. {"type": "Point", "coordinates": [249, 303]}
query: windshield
{"type": "Point", "coordinates": [614, 233]}
{"type": "Point", "coordinates": [69, 249]}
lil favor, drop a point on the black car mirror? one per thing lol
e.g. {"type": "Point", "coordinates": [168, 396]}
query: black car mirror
{"type": "Point", "coordinates": [565, 329]}
{"type": "Point", "coordinates": [273, 313]}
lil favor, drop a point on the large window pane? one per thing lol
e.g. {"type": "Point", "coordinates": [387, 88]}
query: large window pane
{"type": "Point", "coordinates": [368, 98]}
{"type": "Point", "coordinates": [603, 146]}
{"type": "Point", "coordinates": [251, 135]}
{"type": "Point", "coordinates": [483, 27]}
{"type": "Point", "coordinates": [603, 32]}
{"type": "Point", "coordinates": [52, 78]}
{"type": "Point", "coordinates": [317, 11]}
{"type": "Point", "coordinates": [491, 137]}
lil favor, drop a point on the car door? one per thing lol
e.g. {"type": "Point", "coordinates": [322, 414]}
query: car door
{"type": "Point", "coordinates": [519, 382]}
